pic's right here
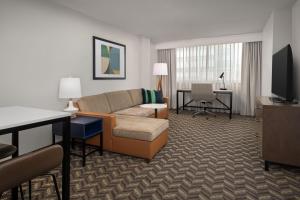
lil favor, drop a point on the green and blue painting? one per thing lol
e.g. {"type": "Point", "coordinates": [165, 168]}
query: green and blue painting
{"type": "Point", "coordinates": [110, 60]}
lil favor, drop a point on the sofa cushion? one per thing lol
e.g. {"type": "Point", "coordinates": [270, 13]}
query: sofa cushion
{"type": "Point", "coordinates": [136, 111]}
{"type": "Point", "coordinates": [95, 103]}
{"type": "Point", "coordinates": [152, 96]}
{"type": "Point", "coordinates": [145, 96]}
{"type": "Point", "coordinates": [119, 100]}
{"type": "Point", "coordinates": [139, 128]}
{"type": "Point", "coordinates": [159, 96]}
{"type": "Point", "coordinates": [136, 96]}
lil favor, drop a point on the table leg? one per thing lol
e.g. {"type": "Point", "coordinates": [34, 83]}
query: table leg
{"type": "Point", "coordinates": [230, 114]}
{"type": "Point", "coordinates": [83, 152]}
{"type": "Point", "coordinates": [29, 189]}
{"type": "Point", "coordinates": [53, 138]}
{"type": "Point", "coordinates": [183, 97]}
{"type": "Point", "coordinates": [15, 142]}
{"type": "Point", "coordinates": [267, 165]}
{"type": "Point", "coordinates": [66, 160]}
{"type": "Point", "coordinates": [101, 143]}
{"type": "Point", "coordinates": [177, 103]}
{"type": "Point", "coordinates": [155, 110]}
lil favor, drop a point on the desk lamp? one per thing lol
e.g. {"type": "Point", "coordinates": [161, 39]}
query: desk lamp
{"type": "Point", "coordinates": [222, 77]}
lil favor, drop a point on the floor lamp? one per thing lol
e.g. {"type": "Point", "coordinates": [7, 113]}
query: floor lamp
{"type": "Point", "coordinates": [160, 69]}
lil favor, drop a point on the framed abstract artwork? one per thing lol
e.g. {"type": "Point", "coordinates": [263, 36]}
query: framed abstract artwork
{"type": "Point", "coordinates": [109, 59]}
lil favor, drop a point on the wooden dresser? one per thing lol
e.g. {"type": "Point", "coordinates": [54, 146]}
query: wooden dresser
{"type": "Point", "coordinates": [278, 130]}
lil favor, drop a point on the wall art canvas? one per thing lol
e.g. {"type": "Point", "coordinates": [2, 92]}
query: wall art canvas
{"type": "Point", "coordinates": [109, 59]}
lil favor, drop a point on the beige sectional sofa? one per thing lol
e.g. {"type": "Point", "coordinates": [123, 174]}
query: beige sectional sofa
{"type": "Point", "coordinates": [128, 128]}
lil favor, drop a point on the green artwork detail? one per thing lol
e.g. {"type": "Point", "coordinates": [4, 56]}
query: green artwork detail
{"type": "Point", "coordinates": [110, 60]}
{"type": "Point", "coordinates": [104, 51]}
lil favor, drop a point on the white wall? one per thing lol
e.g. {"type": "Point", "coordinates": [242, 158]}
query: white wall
{"type": "Point", "coordinates": [282, 28]}
{"type": "Point", "coordinates": [153, 60]}
{"type": "Point", "coordinates": [40, 42]}
{"type": "Point", "coordinates": [296, 46]}
{"type": "Point", "coordinates": [145, 60]}
{"type": "Point", "coordinates": [267, 52]}
{"type": "Point", "coordinates": [277, 33]}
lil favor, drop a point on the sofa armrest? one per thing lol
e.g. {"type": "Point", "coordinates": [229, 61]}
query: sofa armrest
{"type": "Point", "coordinates": [166, 100]}
{"type": "Point", "coordinates": [109, 122]}
{"type": "Point", "coordinates": [96, 114]}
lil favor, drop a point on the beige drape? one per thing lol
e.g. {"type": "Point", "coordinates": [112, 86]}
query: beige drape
{"type": "Point", "coordinates": [169, 82]}
{"type": "Point", "coordinates": [251, 76]}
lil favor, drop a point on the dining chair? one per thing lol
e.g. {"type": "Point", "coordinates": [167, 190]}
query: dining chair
{"type": "Point", "coordinates": [7, 150]}
{"type": "Point", "coordinates": [29, 166]}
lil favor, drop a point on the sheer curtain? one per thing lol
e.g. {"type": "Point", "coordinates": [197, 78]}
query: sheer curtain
{"type": "Point", "coordinates": [251, 76]}
{"type": "Point", "coordinates": [206, 63]}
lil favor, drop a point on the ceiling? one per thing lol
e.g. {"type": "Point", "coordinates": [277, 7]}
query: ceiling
{"type": "Point", "coordinates": [168, 20]}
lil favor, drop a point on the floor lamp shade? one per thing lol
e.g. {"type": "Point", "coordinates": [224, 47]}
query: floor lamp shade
{"type": "Point", "coordinates": [70, 88]}
{"type": "Point", "coordinates": [160, 69]}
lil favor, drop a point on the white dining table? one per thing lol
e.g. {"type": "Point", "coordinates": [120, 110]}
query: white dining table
{"type": "Point", "coordinates": [14, 119]}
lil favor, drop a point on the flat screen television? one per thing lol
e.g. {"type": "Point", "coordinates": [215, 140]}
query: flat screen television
{"type": "Point", "coordinates": [282, 74]}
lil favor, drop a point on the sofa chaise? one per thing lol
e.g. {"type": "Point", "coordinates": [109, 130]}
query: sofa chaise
{"type": "Point", "coordinates": [128, 128]}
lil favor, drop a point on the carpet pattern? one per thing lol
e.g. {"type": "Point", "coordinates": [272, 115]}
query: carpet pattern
{"type": "Point", "coordinates": [213, 159]}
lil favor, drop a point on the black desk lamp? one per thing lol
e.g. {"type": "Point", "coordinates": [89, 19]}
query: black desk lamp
{"type": "Point", "coordinates": [222, 77]}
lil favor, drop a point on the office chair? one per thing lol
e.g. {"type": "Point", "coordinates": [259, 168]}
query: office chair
{"type": "Point", "coordinates": [203, 93]}
{"type": "Point", "coordinates": [22, 169]}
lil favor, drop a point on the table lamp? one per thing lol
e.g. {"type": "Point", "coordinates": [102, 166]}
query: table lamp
{"type": "Point", "coordinates": [69, 88]}
{"type": "Point", "coordinates": [222, 77]}
{"type": "Point", "coordinates": [160, 69]}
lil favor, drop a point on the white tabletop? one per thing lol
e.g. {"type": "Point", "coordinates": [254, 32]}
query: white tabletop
{"type": "Point", "coordinates": [14, 116]}
{"type": "Point", "coordinates": [154, 105]}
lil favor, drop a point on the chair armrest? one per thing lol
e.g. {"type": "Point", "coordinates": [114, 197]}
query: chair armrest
{"type": "Point", "coordinates": [166, 100]}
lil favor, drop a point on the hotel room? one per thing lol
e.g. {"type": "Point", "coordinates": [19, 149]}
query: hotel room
{"type": "Point", "coordinates": [140, 99]}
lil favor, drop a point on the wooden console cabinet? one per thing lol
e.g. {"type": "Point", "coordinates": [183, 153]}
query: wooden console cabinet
{"type": "Point", "coordinates": [278, 132]}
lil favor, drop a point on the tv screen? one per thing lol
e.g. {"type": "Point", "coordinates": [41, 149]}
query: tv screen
{"type": "Point", "coordinates": [282, 74]}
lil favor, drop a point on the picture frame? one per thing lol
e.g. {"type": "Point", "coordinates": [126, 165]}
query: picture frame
{"type": "Point", "coordinates": [109, 59]}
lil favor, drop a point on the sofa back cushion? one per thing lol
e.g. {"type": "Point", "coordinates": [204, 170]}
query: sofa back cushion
{"type": "Point", "coordinates": [119, 100]}
{"type": "Point", "coordinates": [152, 96]}
{"type": "Point", "coordinates": [136, 96]}
{"type": "Point", "coordinates": [95, 103]}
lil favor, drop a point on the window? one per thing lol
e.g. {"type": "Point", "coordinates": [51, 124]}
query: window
{"type": "Point", "coordinates": [207, 62]}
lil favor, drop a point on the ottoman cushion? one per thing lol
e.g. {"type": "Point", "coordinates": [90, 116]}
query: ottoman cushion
{"type": "Point", "coordinates": [139, 128]}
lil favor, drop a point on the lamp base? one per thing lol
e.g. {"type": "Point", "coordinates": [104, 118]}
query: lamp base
{"type": "Point", "coordinates": [223, 88]}
{"type": "Point", "coordinates": [71, 107]}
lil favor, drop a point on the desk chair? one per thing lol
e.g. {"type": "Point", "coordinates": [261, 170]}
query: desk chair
{"type": "Point", "coordinates": [28, 166]}
{"type": "Point", "coordinates": [203, 93]}
{"type": "Point", "coordinates": [6, 150]}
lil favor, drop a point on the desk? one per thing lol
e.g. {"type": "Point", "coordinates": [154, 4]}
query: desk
{"type": "Point", "coordinates": [186, 105]}
{"type": "Point", "coordinates": [15, 118]}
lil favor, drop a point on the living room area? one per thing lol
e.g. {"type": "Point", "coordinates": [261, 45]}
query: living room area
{"type": "Point", "coordinates": [137, 99]}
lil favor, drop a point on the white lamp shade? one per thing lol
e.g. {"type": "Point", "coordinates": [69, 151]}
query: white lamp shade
{"type": "Point", "coordinates": [69, 88]}
{"type": "Point", "coordinates": [160, 69]}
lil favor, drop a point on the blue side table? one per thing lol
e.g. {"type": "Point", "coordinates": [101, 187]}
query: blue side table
{"type": "Point", "coordinates": [83, 128]}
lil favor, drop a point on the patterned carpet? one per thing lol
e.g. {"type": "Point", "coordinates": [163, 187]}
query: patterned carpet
{"type": "Point", "coordinates": [205, 159]}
